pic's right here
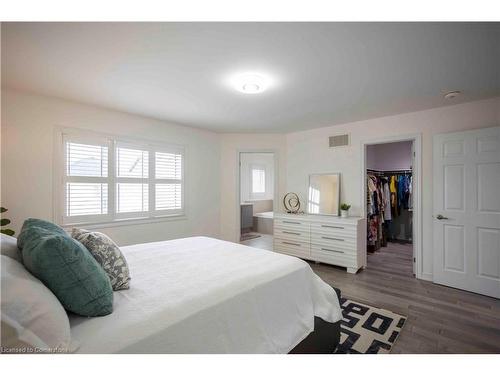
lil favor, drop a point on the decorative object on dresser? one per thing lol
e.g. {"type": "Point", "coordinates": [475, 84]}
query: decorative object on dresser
{"type": "Point", "coordinates": [326, 239]}
{"type": "Point", "coordinates": [344, 210]}
{"type": "Point", "coordinates": [291, 202]}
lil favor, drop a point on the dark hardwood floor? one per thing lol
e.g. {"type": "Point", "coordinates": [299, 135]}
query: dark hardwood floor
{"type": "Point", "coordinates": [440, 319]}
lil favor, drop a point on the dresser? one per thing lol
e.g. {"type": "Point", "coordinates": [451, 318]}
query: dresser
{"type": "Point", "coordinates": [325, 239]}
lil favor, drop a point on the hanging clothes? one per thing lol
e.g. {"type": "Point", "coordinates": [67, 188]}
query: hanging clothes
{"type": "Point", "coordinates": [387, 195]}
{"type": "Point", "coordinates": [394, 196]}
{"type": "Point", "coordinates": [387, 201]}
{"type": "Point", "coordinates": [401, 192]}
{"type": "Point", "coordinates": [372, 188]}
{"type": "Point", "coordinates": [410, 194]}
{"type": "Point", "coordinates": [377, 203]}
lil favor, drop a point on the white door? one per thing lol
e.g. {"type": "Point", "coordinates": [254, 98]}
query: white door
{"type": "Point", "coordinates": [467, 210]}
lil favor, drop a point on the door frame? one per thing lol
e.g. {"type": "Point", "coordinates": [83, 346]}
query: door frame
{"type": "Point", "coordinates": [238, 182]}
{"type": "Point", "coordinates": [417, 191]}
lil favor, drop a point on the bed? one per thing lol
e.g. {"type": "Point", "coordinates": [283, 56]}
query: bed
{"type": "Point", "coordinates": [202, 295]}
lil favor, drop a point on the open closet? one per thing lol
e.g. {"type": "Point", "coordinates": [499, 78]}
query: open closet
{"type": "Point", "coordinates": [389, 198]}
{"type": "Point", "coordinates": [389, 207]}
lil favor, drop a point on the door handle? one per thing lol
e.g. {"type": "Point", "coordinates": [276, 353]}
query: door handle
{"type": "Point", "coordinates": [441, 217]}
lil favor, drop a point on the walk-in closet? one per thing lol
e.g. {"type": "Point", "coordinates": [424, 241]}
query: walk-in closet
{"type": "Point", "coordinates": [389, 201]}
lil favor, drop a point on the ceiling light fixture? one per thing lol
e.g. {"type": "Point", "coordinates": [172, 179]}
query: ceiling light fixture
{"type": "Point", "coordinates": [250, 83]}
{"type": "Point", "coordinates": [452, 94]}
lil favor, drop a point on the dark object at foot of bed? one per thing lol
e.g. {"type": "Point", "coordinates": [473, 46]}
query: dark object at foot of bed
{"type": "Point", "coordinates": [323, 340]}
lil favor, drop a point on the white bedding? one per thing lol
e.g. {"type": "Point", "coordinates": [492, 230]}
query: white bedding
{"type": "Point", "coordinates": [202, 295]}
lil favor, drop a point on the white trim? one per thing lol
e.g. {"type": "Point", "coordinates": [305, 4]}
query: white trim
{"type": "Point", "coordinates": [417, 193]}
{"type": "Point", "coordinates": [275, 152]}
{"type": "Point", "coordinates": [426, 276]}
{"type": "Point", "coordinates": [84, 133]}
{"type": "Point", "coordinates": [126, 222]}
{"type": "Point", "coordinates": [62, 134]}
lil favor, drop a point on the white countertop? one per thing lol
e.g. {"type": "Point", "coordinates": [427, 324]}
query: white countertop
{"type": "Point", "coordinates": [311, 217]}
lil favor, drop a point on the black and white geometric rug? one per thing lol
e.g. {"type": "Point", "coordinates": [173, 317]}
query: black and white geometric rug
{"type": "Point", "coordinates": [367, 329]}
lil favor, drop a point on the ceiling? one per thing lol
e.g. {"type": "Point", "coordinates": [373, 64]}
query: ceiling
{"type": "Point", "coordinates": [324, 73]}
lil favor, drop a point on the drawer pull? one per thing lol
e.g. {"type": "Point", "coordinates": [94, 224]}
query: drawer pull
{"type": "Point", "coordinates": [290, 243]}
{"type": "Point", "coordinates": [333, 251]}
{"type": "Point", "coordinates": [331, 238]}
{"type": "Point", "coordinates": [332, 226]}
{"type": "Point", "coordinates": [291, 222]}
{"type": "Point", "coordinates": [287, 232]}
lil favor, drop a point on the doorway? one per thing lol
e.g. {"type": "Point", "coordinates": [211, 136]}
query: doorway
{"type": "Point", "coordinates": [257, 193]}
{"type": "Point", "coordinates": [391, 191]}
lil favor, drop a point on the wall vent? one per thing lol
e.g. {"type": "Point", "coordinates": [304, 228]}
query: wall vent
{"type": "Point", "coordinates": [339, 140]}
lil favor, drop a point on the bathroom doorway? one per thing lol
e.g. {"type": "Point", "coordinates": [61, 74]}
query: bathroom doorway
{"type": "Point", "coordinates": [257, 194]}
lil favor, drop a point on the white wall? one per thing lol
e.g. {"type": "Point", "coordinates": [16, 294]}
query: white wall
{"type": "Point", "coordinates": [248, 160]}
{"type": "Point", "coordinates": [212, 160]}
{"type": "Point", "coordinates": [28, 123]}
{"type": "Point", "coordinates": [308, 152]}
{"type": "Point", "coordinates": [231, 144]}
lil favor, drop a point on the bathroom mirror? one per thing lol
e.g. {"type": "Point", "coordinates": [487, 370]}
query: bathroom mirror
{"type": "Point", "coordinates": [324, 194]}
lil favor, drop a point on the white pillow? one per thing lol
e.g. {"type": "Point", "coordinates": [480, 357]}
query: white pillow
{"type": "Point", "coordinates": [33, 319]}
{"type": "Point", "coordinates": [8, 247]}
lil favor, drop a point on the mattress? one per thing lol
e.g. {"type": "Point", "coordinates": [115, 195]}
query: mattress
{"type": "Point", "coordinates": [202, 295]}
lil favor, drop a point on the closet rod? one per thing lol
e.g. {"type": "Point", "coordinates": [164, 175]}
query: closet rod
{"type": "Point", "coordinates": [397, 171]}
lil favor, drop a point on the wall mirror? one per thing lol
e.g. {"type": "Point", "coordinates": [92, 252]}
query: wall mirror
{"type": "Point", "coordinates": [324, 194]}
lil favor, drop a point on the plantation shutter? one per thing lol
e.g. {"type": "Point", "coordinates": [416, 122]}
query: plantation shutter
{"type": "Point", "coordinates": [107, 180]}
{"type": "Point", "coordinates": [168, 181]}
{"type": "Point", "coordinates": [132, 185]}
{"type": "Point", "coordinates": [86, 180]}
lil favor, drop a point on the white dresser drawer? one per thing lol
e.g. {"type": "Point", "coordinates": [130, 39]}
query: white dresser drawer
{"type": "Point", "coordinates": [342, 230]}
{"type": "Point", "coordinates": [333, 256]}
{"type": "Point", "coordinates": [291, 223]}
{"type": "Point", "coordinates": [295, 248]}
{"type": "Point", "coordinates": [334, 241]}
{"type": "Point", "coordinates": [299, 234]}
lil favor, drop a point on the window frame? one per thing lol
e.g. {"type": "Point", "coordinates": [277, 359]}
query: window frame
{"type": "Point", "coordinates": [113, 218]}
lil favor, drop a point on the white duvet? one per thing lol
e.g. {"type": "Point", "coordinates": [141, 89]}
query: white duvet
{"type": "Point", "coordinates": [202, 295]}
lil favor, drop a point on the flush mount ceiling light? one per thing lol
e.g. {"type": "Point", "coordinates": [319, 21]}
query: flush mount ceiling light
{"type": "Point", "coordinates": [452, 94]}
{"type": "Point", "coordinates": [250, 83]}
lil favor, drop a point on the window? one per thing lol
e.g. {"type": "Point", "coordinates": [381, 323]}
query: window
{"type": "Point", "coordinates": [257, 181]}
{"type": "Point", "coordinates": [86, 179]}
{"type": "Point", "coordinates": [107, 180]}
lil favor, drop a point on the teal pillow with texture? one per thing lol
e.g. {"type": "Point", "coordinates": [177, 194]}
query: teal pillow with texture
{"type": "Point", "coordinates": [44, 228]}
{"type": "Point", "coordinates": [67, 268]}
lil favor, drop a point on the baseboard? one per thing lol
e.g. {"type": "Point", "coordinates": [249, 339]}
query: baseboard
{"type": "Point", "coordinates": [425, 276]}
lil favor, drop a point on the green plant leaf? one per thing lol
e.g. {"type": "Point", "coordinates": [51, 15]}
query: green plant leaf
{"type": "Point", "coordinates": [4, 222]}
{"type": "Point", "coordinates": [8, 232]}
{"type": "Point", "coordinates": [345, 206]}
{"type": "Point", "coordinates": [3, 209]}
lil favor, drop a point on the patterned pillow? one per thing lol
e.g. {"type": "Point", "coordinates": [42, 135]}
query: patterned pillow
{"type": "Point", "coordinates": [107, 254]}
